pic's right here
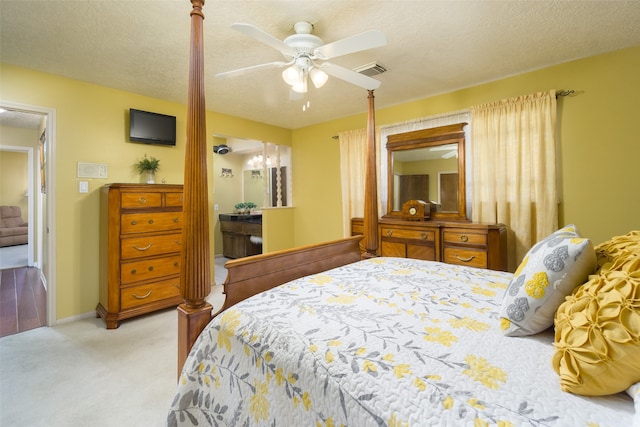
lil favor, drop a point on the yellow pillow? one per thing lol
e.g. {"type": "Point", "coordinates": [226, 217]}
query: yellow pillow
{"type": "Point", "coordinates": [606, 252]}
{"type": "Point", "coordinates": [597, 336]}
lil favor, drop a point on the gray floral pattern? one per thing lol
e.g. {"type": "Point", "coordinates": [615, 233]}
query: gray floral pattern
{"type": "Point", "coordinates": [382, 342]}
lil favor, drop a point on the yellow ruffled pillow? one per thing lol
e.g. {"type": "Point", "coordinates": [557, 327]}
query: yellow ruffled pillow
{"type": "Point", "coordinates": [607, 252]}
{"type": "Point", "coordinates": [597, 336]}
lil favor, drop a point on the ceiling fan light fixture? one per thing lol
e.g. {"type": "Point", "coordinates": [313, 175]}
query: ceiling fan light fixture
{"type": "Point", "coordinates": [301, 86]}
{"type": "Point", "coordinates": [318, 77]}
{"type": "Point", "coordinates": [292, 75]}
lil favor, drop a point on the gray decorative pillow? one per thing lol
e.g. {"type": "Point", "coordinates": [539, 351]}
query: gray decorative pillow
{"type": "Point", "coordinates": [548, 273]}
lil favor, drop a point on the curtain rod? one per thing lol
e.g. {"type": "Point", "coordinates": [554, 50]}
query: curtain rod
{"type": "Point", "coordinates": [565, 92]}
{"type": "Point", "coordinates": [559, 93]}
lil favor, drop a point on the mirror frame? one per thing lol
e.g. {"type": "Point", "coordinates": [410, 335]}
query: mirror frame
{"type": "Point", "coordinates": [450, 134]}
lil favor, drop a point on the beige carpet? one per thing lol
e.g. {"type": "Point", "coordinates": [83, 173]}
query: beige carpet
{"type": "Point", "coordinates": [80, 374]}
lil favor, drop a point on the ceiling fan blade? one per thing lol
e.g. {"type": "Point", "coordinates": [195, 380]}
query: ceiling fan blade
{"type": "Point", "coordinates": [363, 41]}
{"type": "Point", "coordinates": [266, 38]}
{"type": "Point", "coordinates": [350, 76]}
{"type": "Point", "coordinates": [240, 71]}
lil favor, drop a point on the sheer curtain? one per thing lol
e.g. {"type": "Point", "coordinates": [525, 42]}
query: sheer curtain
{"type": "Point", "coordinates": [514, 157]}
{"type": "Point", "coordinates": [353, 153]}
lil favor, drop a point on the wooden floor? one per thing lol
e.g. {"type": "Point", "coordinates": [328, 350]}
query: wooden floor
{"type": "Point", "coordinates": [22, 300]}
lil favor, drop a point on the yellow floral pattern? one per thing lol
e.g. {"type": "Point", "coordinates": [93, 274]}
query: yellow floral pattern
{"type": "Point", "coordinates": [552, 268]}
{"type": "Point", "coordinates": [382, 342]}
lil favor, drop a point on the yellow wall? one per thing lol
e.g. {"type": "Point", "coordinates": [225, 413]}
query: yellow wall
{"type": "Point", "coordinates": [277, 229]}
{"type": "Point", "coordinates": [598, 145]}
{"type": "Point", "coordinates": [14, 180]}
{"type": "Point", "coordinates": [92, 127]}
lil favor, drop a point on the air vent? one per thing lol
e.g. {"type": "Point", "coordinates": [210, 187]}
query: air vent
{"type": "Point", "coordinates": [372, 69]}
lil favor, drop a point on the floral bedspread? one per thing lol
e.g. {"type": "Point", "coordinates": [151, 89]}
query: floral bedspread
{"type": "Point", "coordinates": [382, 342]}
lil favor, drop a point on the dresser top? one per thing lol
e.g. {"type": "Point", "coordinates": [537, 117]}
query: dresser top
{"type": "Point", "coordinates": [145, 187]}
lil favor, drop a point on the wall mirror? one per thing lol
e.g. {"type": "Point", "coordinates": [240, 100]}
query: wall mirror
{"type": "Point", "coordinates": [428, 165]}
{"type": "Point", "coordinates": [264, 188]}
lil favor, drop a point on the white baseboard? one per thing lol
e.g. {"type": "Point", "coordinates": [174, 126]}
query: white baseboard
{"type": "Point", "coordinates": [77, 317]}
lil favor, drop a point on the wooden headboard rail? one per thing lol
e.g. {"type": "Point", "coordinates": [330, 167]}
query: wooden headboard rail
{"type": "Point", "coordinates": [251, 275]}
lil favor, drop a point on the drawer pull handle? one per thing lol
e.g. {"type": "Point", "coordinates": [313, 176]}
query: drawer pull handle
{"type": "Point", "coordinates": [150, 221]}
{"type": "Point", "coordinates": [133, 271]}
{"type": "Point", "coordinates": [151, 268]}
{"type": "Point", "coordinates": [465, 259]}
{"type": "Point", "coordinates": [181, 199]}
{"type": "Point", "coordinates": [176, 264]}
{"type": "Point", "coordinates": [177, 242]}
{"type": "Point", "coordinates": [142, 249]}
{"type": "Point", "coordinates": [142, 200]}
{"type": "Point", "coordinates": [176, 220]}
{"type": "Point", "coordinates": [424, 235]}
{"type": "Point", "coordinates": [464, 238]}
{"type": "Point", "coordinates": [142, 296]}
{"type": "Point", "coordinates": [134, 222]}
{"type": "Point", "coordinates": [389, 232]}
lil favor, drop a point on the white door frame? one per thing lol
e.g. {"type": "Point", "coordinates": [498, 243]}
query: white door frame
{"type": "Point", "coordinates": [50, 227]}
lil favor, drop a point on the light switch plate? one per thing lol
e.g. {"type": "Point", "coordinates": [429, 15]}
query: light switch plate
{"type": "Point", "coordinates": [83, 186]}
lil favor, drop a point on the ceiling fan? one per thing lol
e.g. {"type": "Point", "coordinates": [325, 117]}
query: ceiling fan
{"type": "Point", "coordinates": [307, 56]}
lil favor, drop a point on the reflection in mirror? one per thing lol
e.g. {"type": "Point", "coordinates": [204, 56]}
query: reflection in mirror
{"type": "Point", "coordinates": [429, 174]}
{"type": "Point", "coordinates": [428, 165]}
{"type": "Point", "coordinates": [268, 170]}
{"type": "Point", "coordinates": [257, 186]}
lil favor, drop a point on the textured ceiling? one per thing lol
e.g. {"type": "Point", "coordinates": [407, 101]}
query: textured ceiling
{"type": "Point", "coordinates": [433, 46]}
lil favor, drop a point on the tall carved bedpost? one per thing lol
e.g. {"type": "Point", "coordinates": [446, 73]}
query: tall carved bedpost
{"type": "Point", "coordinates": [370, 187]}
{"type": "Point", "coordinates": [195, 284]}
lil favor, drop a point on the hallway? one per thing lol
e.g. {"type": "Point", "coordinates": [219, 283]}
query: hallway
{"type": "Point", "coordinates": [22, 300]}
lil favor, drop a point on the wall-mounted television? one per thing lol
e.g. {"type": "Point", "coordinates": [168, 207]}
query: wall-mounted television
{"type": "Point", "coordinates": [151, 128]}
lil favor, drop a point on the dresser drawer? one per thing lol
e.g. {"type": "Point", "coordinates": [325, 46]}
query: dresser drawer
{"type": "Point", "coordinates": [138, 247]}
{"type": "Point", "coordinates": [465, 256]}
{"type": "Point", "coordinates": [144, 294]}
{"type": "Point", "coordinates": [403, 233]}
{"type": "Point", "coordinates": [173, 199]}
{"type": "Point", "coordinates": [140, 200]}
{"type": "Point", "coordinates": [146, 269]}
{"type": "Point", "coordinates": [465, 238]}
{"type": "Point", "coordinates": [150, 222]}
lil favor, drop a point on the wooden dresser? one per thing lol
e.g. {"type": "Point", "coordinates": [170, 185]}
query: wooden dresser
{"type": "Point", "coordinates": [140, 250]}
{"type": "Point", "coordinates": [461, 243]}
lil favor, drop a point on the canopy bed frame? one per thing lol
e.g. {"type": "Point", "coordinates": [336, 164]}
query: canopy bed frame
{"type": "Point", "coordinates": [246, 276]}
{"type": "Point", "coordinates": [380, 340]}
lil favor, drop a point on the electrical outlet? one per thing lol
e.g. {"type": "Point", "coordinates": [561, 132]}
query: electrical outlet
{"type": "Point", "coordinates": [216, 207]}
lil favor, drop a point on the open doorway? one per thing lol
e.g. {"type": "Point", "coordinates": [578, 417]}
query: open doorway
{"type": "Point", "coordinates": [16, 201]}
{"type": "Point", "coordinates": [40, 191]}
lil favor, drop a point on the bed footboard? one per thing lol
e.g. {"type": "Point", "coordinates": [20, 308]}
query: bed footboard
{"type": "Point", "coordinates": [249, 276]}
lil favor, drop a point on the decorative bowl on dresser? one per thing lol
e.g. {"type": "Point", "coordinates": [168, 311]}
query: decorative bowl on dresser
{"type": "Point", "coordinates": [140, 250]}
